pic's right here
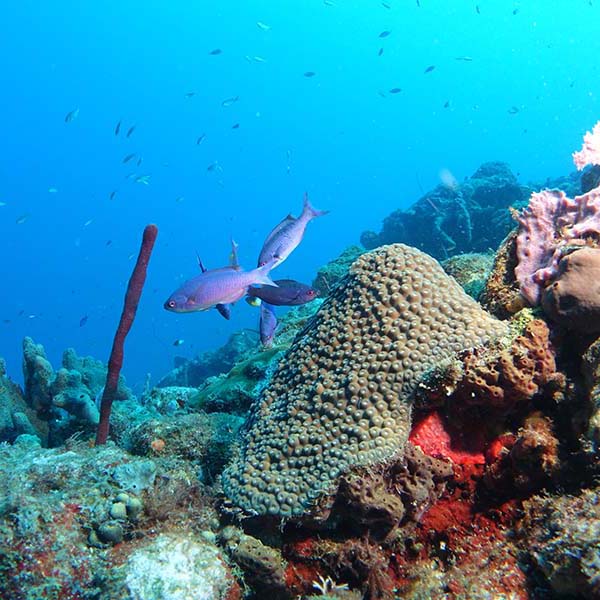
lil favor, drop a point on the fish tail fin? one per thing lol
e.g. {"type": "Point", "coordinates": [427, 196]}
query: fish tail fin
{"type": "Point", "coordinates": [309, 210]}
{"type": "Point", "coordinates": [261, 275]}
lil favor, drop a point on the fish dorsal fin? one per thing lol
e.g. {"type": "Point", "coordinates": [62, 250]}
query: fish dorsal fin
{"type": "Point", "coordinates": [200, 264]}
{"type": "Point", "coordinates": [233, 257]}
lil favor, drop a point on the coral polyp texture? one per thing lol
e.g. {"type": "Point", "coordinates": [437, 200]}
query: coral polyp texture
{"type": "Point", "coordinates": [342, 396]}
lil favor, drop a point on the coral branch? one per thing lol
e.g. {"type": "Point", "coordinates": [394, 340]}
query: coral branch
{"type": "Point", "coordinates": [132, 298]}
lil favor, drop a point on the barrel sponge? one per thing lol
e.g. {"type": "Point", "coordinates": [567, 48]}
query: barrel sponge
{"type": "Point", "coordinates": [341, 398]}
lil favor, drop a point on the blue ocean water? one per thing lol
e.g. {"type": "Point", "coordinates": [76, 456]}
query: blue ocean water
{"type": "Point", "coordinates": [513, 81]}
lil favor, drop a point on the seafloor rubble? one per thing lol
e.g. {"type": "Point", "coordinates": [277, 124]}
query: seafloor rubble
{"type": "Point", "coordinates": [398, 440]}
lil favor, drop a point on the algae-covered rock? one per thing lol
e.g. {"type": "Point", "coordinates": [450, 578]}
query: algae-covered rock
{"type": "Point", "coordinates": [235, 391]}
{"type": "Point", "coordinates": [471, 270]}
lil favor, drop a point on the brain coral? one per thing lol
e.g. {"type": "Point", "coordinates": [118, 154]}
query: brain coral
{"type": "Point", "coordinates": [341, 398]}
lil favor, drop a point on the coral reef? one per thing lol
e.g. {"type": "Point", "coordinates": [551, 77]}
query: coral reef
{"type": "Point", "coordinates": [501, 295]}
{"type": "Point", "coordinates": [65, 399]}
{"type": "Point", "coordinates": [342, 396]}
{"type": "Point", "coordinates": [573, 299]}
{"type": "Point", "coordinates": [192, 373]}
{"type": "Point", "coordinates": [76, 522]}
{"type": "Point", "coordinates": [15, 415]}
{"type": "Point", "coordinates": [468, 217]}
{"type": "Point", "coordinates": [470, 270]}
{"type": "Point", "coordinates": [561, 536]}
{"type": "Point", "coordinates": [334, 271]}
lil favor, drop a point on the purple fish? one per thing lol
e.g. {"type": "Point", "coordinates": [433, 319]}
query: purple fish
{"type": "Point", "coordinates": [288, 293]}
{"type": "Point", "coordinates": [224, 309]}
{"type": "Point", "coordinates": [286, 236]}
{"type": "Point", "coordinates": [268, 324]}
{"type": "Point", "coordinates": [217, 286]}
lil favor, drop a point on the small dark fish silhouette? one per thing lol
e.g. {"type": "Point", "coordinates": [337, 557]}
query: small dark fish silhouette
{"type": "Point", "coordinates": [139, 162]}
{"type": "Point", "coordinates": [395, 90]}
{"type": "Point", "coordinates": [118, 128]}
{"type": "Point", "coordinates": [112, 194]}
{"type": "Point", "coordinates": [190, 94]}
{"type": "Point", "coordinates": [215, 52]}
{"type": "Point", "coordinates": [380, 52]}
{"type": "Point", "coordinates": [515, 11]}
{"type": "Point", "coordinates": [309, 74]}
{"type": "Point", "coordinates": [130, 130]}
{"type": "Point", "coordinates": [236, 126]}
{"type": "Point", "coordinates": [108, 242]}
{"type": "Point", "coordinates": [128, 158]}
{"type": "Point", "coordinates": [384, 34]}
{"type": "Point", "coordinates": [72, 115]}
{"type": "Point", "coordinates": [513, 110]}
{"type": "Point", "coordinates": [178, 342]}
{"type": "Point", "coordinates": [229, 101]}
{"type": "Point", "coordinates": [200, 139]}
{"type": "Point", "coordinates": [22, 219]}
{"type": "Point", "coordinates": [447, 104]}
{"type": "Point", "coordinates": [477, 9]}
{"type": "Point", "coordinates": [83, 321]}
{"type": "Point", "coordinates": [429, 69]}
{"type": "Point", "coordinates": [385, 5]}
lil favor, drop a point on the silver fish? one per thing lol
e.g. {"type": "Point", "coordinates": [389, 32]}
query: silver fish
{"type": "Point", "coordinates": [286, 236]}
{"type": "Point", "coordinates": [267, 324]}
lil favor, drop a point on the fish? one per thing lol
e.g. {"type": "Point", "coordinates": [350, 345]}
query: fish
{"type": "Point", "coordinates": [384, 34]}
{"type": "Point", "coordinates": [215, 52]}
{"type": "Point", "coordinates": [179, 342]}
{"type": "Point", "coordinates": [52, 190]}
{"type": "Point", "coordinates": [217, 286]}
{"type": "Point", "coordinates": [380, 52]}
{"type": "Point", "coordinates": [139, 162]}
{"type": "Point", "coordinates": [463, 58]}
{"type": "Point", "coordinates": [179, 199]}
{"type": "Point", "coordinates": [224, 309]}
{"type": "Point", "coordinates": [328, 3]}
{"type": "Point", "coordinates": [263, 26]}
{"type": "Point", "coordinates": [395, 90]}
{"type": "Point", "coordinates": [309, 73]}
{"type": "Point", "coordinates": [259, 59]}
{"type": "Point", "coordinates": [477, 9]}
{"type": "Point", "coordinates": [128, 158]}
{"type": "Point", "coordinates": [286, 236]}
{"type": "Point", "coordinates": [267, 324]}
{"type": "Point", "coordinates": [88, 222]}
{"type": "Point", "coordinates": [386, 5]}
{"type": "Point", "coordinates": [215, 166]}
{"type": "Point", "coordinates": [515, 11]}
{"type": "Point", "coordinates": [113, 194]}
{"type": "Point", "coordinates": [447, 104]}
{"type": "Point", "coordinates": [513, 110]}
{"type": "Point", "coordinates": [229, 101]}
{"type": "Point", "coordinates": [144, 179]}
{"type": "Point", "coordinates": [287, 293]}
{"type": "Point", "coordinates": [118, 128]}
{"type": "Point", "coordinates": [429, 69]}
{"type": "Point", "coordinates": [190, 94]}
{"type": "Point", "coordinates": [83, 320]}
{"type": "Point", "coordinates": [130, 131]}
{"type": "Point", "coordinates": [71, 115]}
{"type": "Point", "coordinates": [200, 139]}
{"type": "Point", "coordinates": [235, 126]}
{"type": "Point", "coordinates": [22, 219]}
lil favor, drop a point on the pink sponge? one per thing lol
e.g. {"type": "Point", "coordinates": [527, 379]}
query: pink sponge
{"type": "Point", "coordinates": [548, 226]}
{"type": "Point", "coordinates": [590, 152]}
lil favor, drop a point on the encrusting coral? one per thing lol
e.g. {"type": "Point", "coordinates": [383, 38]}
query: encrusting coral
{"type": "Point", "coordinates": [342, 396]}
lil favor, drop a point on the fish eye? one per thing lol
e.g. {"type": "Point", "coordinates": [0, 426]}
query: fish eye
{"type": "Point", "coordinates": [171, 303]}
